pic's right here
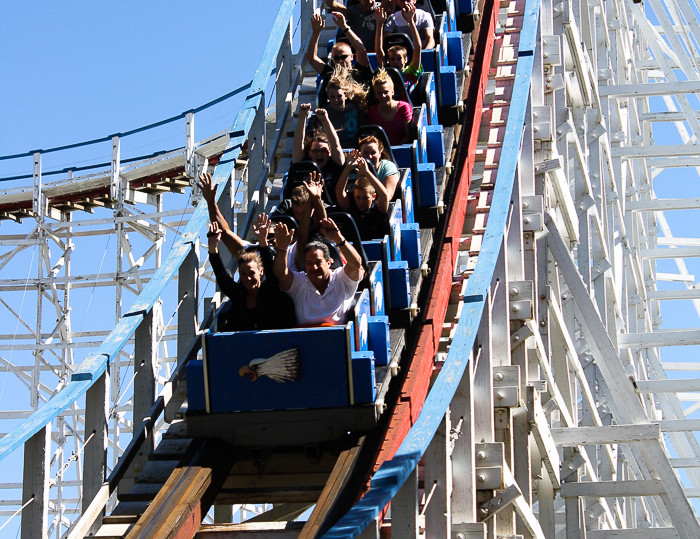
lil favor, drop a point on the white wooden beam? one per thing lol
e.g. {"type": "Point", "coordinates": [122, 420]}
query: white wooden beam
{"type": "Point", "coordinates": [681, 365]}
{"type": "Point", "coordinates": [661, 204]}
{"type": "Point", "coordinates": [650, 89]}
{"type": "Point", "coordinates": [648, 152]}
{"type": "Point", "coordinates": [685, 463]}
{"type": "Point", "coordinates": [675, 295]}
{"type": "Point", "coordinates": [612, 489]}
{"type": "Point", "coordinates": [674, 252]}
{"type": "Point", "coordinates": [668, 337]}
{"type": "Point", "coordinates": [668, 385]}
{"type": "Point", "coordinates": [675, 277]}
{"type": "Point", "coordinates": [614, 434]}
{"type": "Point", "coordinates": [633, 533]}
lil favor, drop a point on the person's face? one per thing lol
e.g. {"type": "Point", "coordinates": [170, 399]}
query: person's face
{"type": "Point", "coordinates": [318, 269]}
{"type": "Point", "coordinates": [298, 210]}
{"type": "Point", "coordinates": [363, 199]}
{"type": "Point", "coordinates": [336, 97]}
{"type": "Point", "coordinates": [397, 60]}
{"type": "Point", "coordinates": [250, 275]}
{"type": "Point", "coordinates": [320, 152]}
{"type": "Point", "coordinates": [383, 92]}
{"type": "Point", "coordinates": [370, 152]}
{"type": "Point", "coordinates": [341, 55]}
{"type": "Point", "coordinates": [366, 5]}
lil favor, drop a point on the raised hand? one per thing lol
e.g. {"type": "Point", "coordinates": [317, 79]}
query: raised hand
{"type": "Point", "coordinates": [208, 190]}
{"type": "Point", "coordinates": [380, 16]}
{"type": "Point", "coordinates": [340, 22]}
{"type": "Point", "coordinates": [409, 12]}
{"type": "Point", "coordinates": [317, 23]}
{"type": "Point", "coordinates": [314, 185]}
{"type": "Point", "coordinates": [305, 109]}
{"type": "Point", "coordinates": [214, 237]}
{"type": "Point", "coordinates": [261, 229]}
{"type": "Point", "coordinates": [322, 115]}
{"type": "Point", "coordinates": [330, 230]}
{"type": "Point", "coordinates": [283, 236]}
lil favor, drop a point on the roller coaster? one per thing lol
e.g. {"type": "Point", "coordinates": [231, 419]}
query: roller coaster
{"type": "Point", "coordinates": [501, 375]}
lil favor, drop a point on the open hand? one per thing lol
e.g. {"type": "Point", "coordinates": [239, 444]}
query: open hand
{"type": "Point", "coordinates": [317, 23]}
{"type": "Point", "coordinates": [208, 189]}
{"type": "Point", "coordinates": [261, 229]}
{"type": "Point", "coordinates": [214, 237]}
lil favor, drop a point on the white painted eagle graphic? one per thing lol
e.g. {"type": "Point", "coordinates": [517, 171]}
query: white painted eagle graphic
{"type": "Point", "coordinates": [281, 367]}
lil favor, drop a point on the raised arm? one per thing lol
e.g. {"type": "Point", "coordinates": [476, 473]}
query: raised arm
{"type": "Point", "coordinates": [382, 200]}
{"type": "Point", "coordinates": [314, 186]}
{"type": "Point", "coordinates": [341, 193]}
{"type": "Point", "coordinates": [298, 150]}
{"type": "Point", "coordinates": [283, 237]}
{"type": "Point", "coordinates": [226, 283]}
{"type": "Point", "coordinates": [409, 13]}
{"type": "Point", "coordinates": [317, 25]}
{"type": "Point", "coordinates": [332, 5]}
{"type": "Point", "coordinates": [353, 266]}
{"type": "Point", "coordinates": [261, 228]}
{"type": "Point", "coordinates": [430, 34]}
{"type": "Point", "coordinates": [336, 149]}
{"type": "Point", "coordinates": [360, 51]}
{"type": "Point", "coordinates": [231, 240]}
{"type": "Point", "coordinates": [380, 20]}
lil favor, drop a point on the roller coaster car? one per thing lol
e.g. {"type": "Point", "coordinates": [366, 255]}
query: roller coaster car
{"type": "Point", "coordinates": [294, 386]}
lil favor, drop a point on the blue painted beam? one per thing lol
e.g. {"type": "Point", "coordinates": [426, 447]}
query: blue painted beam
{"type": "Point", "coordinates": [393, 473]}
{"type": "Point", "coordinates": [95, 363]}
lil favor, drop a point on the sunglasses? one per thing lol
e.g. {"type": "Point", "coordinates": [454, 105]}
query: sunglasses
{"type": "Point", "coordinates": [340, 57]}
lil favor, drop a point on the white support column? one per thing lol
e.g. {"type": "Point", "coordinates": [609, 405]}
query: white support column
{"type": "Point", "coordinates": [463, 503]}
{"type": "Point", "coordinates": [438, 482]}
{"type": "Point", "coordinates": [37, 196]}
{"type": "Point", "coordinates": [190, 156]}
{"type": "Point", "coordinates": [145, 358]}
{"type": "Point", "coordinates": [116, 191]}
{"type": "Point", "coordinates": [404, 509]}
{"type": "Point", "coordinates": [257, 153]}
{"type": "Point", "coordinates": [285, 68]}
{"type": "Point", "coordinates": [95, 449]}
{"type": "Point", "coordinates": [188, 295]}
{"type": "Point", "coordinates": [35, 485]}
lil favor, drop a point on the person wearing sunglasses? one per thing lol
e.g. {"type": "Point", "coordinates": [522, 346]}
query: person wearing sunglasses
{"type": "Point", "coordinates": [341, 54]}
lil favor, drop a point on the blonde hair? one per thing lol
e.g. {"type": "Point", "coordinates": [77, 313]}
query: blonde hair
{"type": "Point", "coordinates": [250, 256]}
{"type": "Point", "coordinates": [382, 77]}
{"type": "Point", "coordinates": [354, 91]}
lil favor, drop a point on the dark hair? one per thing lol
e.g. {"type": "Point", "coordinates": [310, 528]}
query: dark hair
{"type": "Point", "coordinates": [371, 139]}
{"type": "Point", "coordinates": [316, 246]}
{"type": "Point", "coordinates": [299, 195]}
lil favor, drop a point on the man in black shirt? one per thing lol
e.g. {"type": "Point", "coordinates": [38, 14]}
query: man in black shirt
{"type": "Point", "coordinates": [341, 54]}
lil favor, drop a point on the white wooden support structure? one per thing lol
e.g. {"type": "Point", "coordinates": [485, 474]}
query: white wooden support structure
{"type": "Point", "coordinates": [35, 489]}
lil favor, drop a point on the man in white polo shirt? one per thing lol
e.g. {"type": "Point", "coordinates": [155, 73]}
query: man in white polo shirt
{"type": "Point", "coordinates": [320, 295]}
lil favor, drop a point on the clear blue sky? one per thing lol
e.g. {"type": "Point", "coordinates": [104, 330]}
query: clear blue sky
{"type": "Point", "coordinates": [76, 70]}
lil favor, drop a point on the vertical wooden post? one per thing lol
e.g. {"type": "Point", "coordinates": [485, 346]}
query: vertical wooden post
{"type": "Point", "coordinates": [285, 65]}
{"type": "Point", "coordinates": [463, 459]}
{"type": "Point", "coordinates": [35, 484]}
{"type": "Point", "coordinates": [95, 450]}
{"type": "Point", "coordinates": [438, 481]}
{"type": "Point", "coordinates": [145, 356]}
{"type": "Point", "coordinates": [257, 154]}
{"type": "Point", "coordinates": [404, 509]}
{"type": "Point", "coordinates": [188, 294]}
